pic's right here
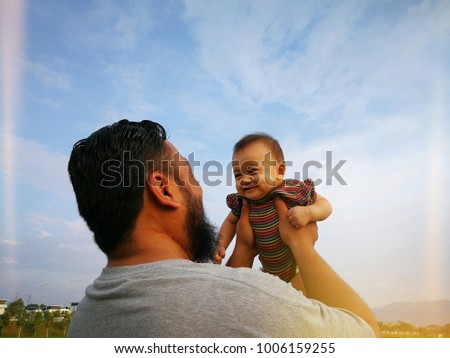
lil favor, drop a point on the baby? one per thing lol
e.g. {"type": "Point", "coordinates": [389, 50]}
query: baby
{"type": "Point", "coordinates": [259, 168]}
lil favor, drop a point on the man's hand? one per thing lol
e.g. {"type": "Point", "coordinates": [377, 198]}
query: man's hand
{"type": "Point", "coordinates": [244, 231]}
{"type": "Point", "coordinates": [319, 279]}
{"type": "Point", "coordinates": [290, 235]}
{"type": "Point", "coordinates": [245, 250]}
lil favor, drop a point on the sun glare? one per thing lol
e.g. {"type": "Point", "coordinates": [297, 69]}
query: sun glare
{"type": "Point", "coordinates": [434, 250]}
{"type": "Point", "coordinates": [11, 20]}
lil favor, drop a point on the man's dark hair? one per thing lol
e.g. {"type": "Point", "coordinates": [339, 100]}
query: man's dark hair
{"type": "Point", "coordinates": [265, 138]}
{"type": "Point", "coordinates": [108, 174]}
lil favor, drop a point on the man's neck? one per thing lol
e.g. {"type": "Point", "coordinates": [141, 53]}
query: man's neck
{"type": "Point", "coordinates": [145, 248]}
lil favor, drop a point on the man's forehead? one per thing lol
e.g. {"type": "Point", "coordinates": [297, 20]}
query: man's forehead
{"type": "Point", "coordinates": [172, 150]}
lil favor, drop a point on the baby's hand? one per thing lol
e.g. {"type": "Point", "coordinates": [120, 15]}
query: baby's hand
{"type": "Point", "coordinates": [219, 255]}
{"type": "Point", "coordinates": [299, 216]}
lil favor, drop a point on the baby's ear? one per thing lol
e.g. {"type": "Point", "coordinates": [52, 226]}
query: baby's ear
{"type": "Point", "coordinates": [281, 169]}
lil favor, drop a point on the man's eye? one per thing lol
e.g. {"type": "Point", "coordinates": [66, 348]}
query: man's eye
{"type": "Point", "coordinates": [237, 176]}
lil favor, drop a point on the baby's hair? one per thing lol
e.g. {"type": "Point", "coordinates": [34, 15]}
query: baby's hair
{"type": "Point", "coordinates": [265, 138]}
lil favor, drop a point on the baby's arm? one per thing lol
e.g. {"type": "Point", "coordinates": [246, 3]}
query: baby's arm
{"type": "Point", "coordinates": [302, 215]}
{"type": "Point", "coordinates": [226, 234]}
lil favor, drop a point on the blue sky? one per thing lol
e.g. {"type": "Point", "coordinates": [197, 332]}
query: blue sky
{"type": "Point", "coordinates": [367, 81]}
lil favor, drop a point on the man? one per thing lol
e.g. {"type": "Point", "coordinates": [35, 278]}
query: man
{"type": "Point", "coordinates": [139, 197]}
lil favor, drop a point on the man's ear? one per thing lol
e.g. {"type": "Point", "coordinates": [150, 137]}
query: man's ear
{"type": "Point", "coordinates": [161, 189]}
{"type": "Point", "coordinates": [281, 169]}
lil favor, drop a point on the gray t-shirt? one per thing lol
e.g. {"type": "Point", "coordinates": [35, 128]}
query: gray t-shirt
{"type": "Point", "coordinates": [179, 298]}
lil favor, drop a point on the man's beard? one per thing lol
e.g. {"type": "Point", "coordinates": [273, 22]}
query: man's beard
{"type": "Point", "coordinates": [202, 234]}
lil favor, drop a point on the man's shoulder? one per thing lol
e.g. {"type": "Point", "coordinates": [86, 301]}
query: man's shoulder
{"type": "Point", "coordinates": [209, 271]}
{"type": "Point", "coordinates": [244, 279]}
{"type": "Point", "coordinates": [191, 276]}
{"type": "Point", "coordinates": [166, 293]}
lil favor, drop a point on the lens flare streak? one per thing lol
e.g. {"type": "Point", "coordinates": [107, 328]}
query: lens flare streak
{"type": "Point", "coordinates": [11, 44]}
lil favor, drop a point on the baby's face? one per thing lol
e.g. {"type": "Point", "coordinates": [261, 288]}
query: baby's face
{"type": "Point", "coordinates": [256, 171]}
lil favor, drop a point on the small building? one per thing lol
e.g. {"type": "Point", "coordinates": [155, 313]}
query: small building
{"type": "Point", "coordinates": [52, 308]}
{"type": "Point", "coordinates": [73, 307]}
{"type": "Point", "coordinates": [3, 305]}
{"type": "Point", "coordinates": [33, 307]}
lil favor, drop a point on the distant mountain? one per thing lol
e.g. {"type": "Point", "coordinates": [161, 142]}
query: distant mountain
{"type": "Point", "coordinates": [419, 314]}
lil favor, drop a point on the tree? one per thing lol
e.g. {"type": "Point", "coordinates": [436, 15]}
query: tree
{"type": "Point", "coordinates": [49, 319]}
{"type": "Point", "coordinates": [15, 308]}
{"type": "Point", "coordinates": [66, 321]}
{"type": "Point", "coordinates": [446, 330]}
{"type": "Point", "coordinates": [6, 318]}
{"type": "Point", "coordinates": [30, 329]}
{"type": "Point", "coordinates": [20, 323]}
{"type": "Point", "coordinates": [38, 319]}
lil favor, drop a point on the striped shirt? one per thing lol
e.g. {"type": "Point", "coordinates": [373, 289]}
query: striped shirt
{"type": "Point", "coordinates": [275, 256]}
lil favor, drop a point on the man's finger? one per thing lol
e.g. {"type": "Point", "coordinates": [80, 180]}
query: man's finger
{"type": "Point", "coordinates": [281, 208]}
{"type": "Point", "coordinates": [244, 209]}
{"type": "Point", "coordinates": [244, 220]}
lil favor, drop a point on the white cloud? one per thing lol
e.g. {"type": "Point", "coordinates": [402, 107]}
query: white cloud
{"type": "Point", "coordinates": [7, 261]}
{"type": "Point", "coordinates": [111, 25]}
{"type": "Point", "coordinates": [48, 102]}
{"type": "Point", "coordinates": [53, 258]}
{"type": "Point", "coordinates": [326, 63]}
{"type": "Point", "coordinates": [9, 242]}
{"type": "Point", "coordinates": [42, 233]}
{"type": "Point", "coordinates": [50, 77]}
{"type": "Point", "coordinates": [60, 231]}
{"type": "Point", "coordinates": [38, 166]}
{"type": "Point", "coordinates": [130, 85]}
